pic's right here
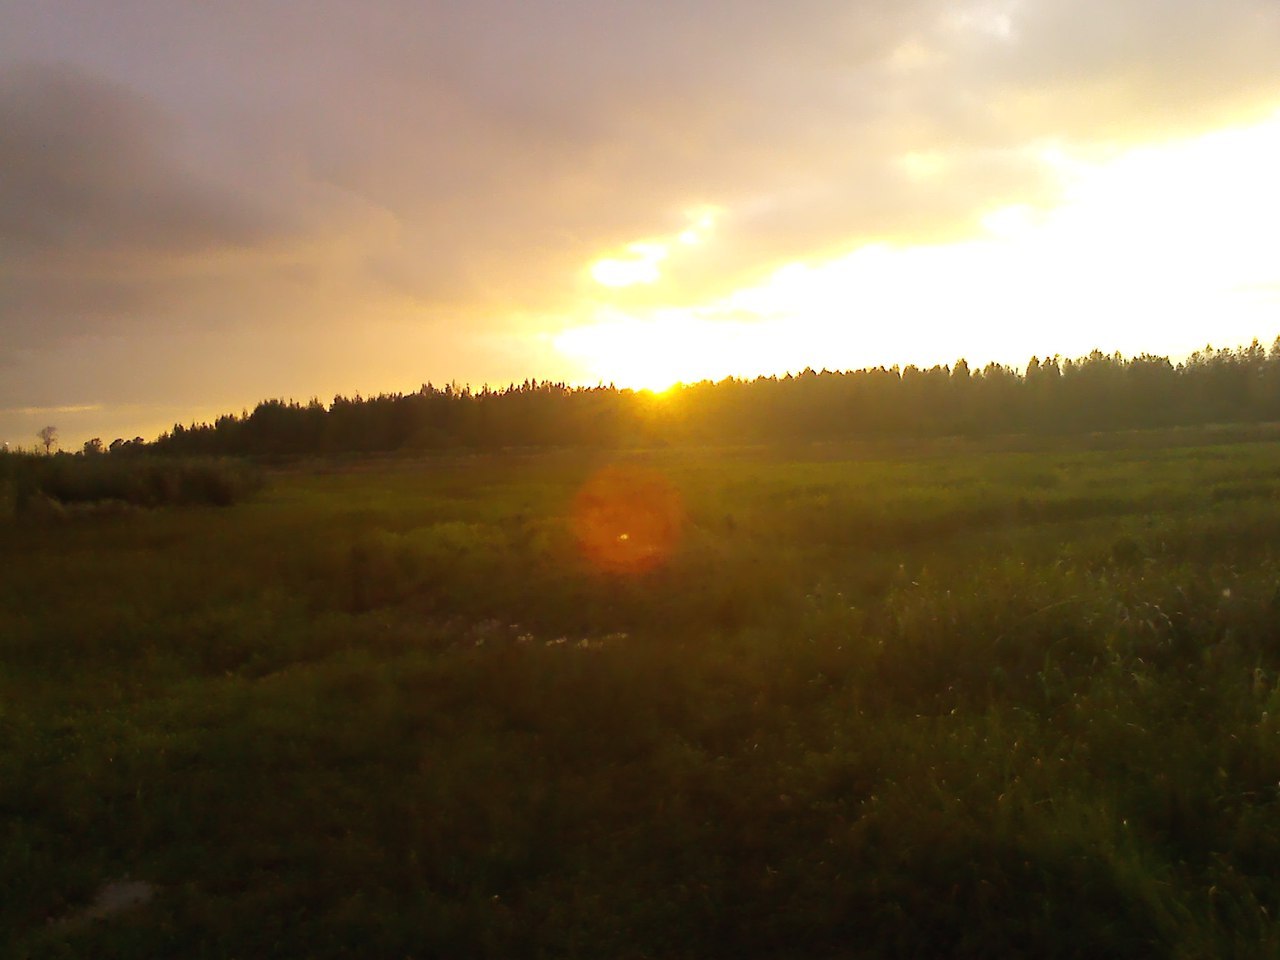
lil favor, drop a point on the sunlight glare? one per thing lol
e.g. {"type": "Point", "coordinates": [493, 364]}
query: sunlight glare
{"type": "Point", "coordinates": [641, 267]}
{"type": "Point", "coordinates": [1149, 248]}
{"type": "Point", "coordinates": [641, 262]}
{"type": "Point", "coordinates": [923, 165]}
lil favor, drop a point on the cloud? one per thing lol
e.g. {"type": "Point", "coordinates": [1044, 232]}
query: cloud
{"type": "Point", "coordinates": [94, 203]}
{"type": "Point", "coordinates": [106, 216]}
{"type": "Point", "coordinates": [90, 165]}
{"type": "Point", "coordinates": [460, 165]}
{"type": "Point", "coordinates": [66, 408]}
{"type": "Point", "coordinates": [504, 146]}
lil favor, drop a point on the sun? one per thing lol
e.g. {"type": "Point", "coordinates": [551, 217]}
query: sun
{"type": "Point", "coordinates": [628, 353]}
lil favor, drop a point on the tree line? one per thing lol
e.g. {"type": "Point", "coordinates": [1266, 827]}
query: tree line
{"type": "Point", "coordinates": [1098, 392]}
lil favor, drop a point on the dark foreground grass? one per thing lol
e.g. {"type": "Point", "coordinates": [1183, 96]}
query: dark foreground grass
{"type": "Point", "coordinates": [984, 704]}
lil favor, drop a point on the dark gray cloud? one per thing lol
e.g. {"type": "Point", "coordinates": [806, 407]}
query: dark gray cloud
{"type": "Point", "coordinates": [91, 165]}
{"type": "Point", "coordinates": [108, 215]}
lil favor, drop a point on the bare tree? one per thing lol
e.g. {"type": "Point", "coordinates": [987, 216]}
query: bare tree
{"type": "Point", "coordinates": [48, 436]}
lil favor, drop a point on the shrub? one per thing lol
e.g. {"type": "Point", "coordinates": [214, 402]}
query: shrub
{"type": "Point", "coordinates": [133, 482]}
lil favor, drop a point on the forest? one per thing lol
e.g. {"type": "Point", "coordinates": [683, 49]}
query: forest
{"type": "Point", "coordinates": [1098, 392]}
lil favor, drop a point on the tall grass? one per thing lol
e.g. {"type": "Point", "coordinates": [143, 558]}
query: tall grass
{"type": "Point", "coordinates": [977, 705]}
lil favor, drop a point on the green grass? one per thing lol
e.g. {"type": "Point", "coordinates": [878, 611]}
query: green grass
{"type": "Point", "coordinates": [962, 702]}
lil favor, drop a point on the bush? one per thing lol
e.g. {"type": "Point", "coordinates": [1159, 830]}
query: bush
{"type": "Point", "coordinates": [135, 482]}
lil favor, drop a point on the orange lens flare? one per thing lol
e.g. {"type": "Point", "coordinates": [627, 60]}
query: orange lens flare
{"type": "Point", "coordinates": [628, 520]}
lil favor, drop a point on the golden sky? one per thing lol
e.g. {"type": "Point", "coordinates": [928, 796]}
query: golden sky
{"type": "Point", "coordinates": [208, 204]}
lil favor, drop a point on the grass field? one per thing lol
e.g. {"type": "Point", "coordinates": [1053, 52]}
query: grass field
{"type": "Point", "coordinates": [833, 702]}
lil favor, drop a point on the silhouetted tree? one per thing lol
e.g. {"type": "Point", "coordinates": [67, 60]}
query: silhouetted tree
{"type": "Point", "coordinates": [48, 436]}
{"type": "Point", "coordinates": [1051, 394]}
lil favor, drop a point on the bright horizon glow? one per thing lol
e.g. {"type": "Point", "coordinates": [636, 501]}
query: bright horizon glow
{"type": "Point", "coordinates": [1161, 248]}
{"type": "Point", "coordinates": [641, 353]}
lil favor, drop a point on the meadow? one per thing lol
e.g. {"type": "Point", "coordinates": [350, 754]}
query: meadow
{"type": "Point", "coordinates": [942, 698]}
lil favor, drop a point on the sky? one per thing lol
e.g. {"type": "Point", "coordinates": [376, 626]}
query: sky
{"type": "Point", "coordinates": [203, 205]}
